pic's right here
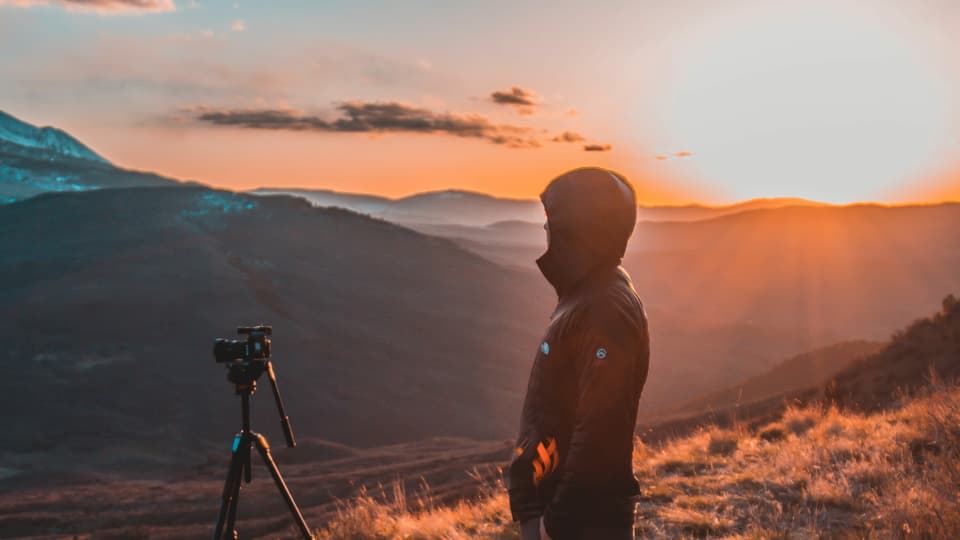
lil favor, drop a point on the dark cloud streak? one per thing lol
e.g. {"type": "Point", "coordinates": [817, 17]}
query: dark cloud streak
{"type": "Point", "coordinates": [568, 137]}
{"type": "Point", "coordinates": [597, 148]}
{"type": "Point", "coordinates": [515, 96]}
{"type": "Point", "coordinates": [522, 100]}
{"type": "Point", "coordinates": [374, 117]}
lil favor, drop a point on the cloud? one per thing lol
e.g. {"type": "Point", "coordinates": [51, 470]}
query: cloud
{"type": "Point", "coordinates": [676, 155]}
{"type": "Point", "coordinates": [101, 6]}
{"type": "Point", "coordinates": [597, 148]}
{"type": "Point", "coordinates": [373, 117]}
{"type": "Point", "coordinates": [521, 99]}
{"type": "Point", "coordinates": [238, 26]}
{"type": "Point", "coordinates": [514, 96]}
{"type": "Point", "coordinates": [568, 137]}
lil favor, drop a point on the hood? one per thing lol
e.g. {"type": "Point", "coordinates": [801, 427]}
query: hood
{"type": "Point", "coordinates": [591, 213]}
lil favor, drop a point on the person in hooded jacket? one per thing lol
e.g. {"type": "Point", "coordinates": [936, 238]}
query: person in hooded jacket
{"type": "Point", "coordinates": [572, 477]}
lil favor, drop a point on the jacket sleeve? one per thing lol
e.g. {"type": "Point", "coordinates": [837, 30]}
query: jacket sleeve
{"type": "Point", "coordinates": [524, 503]}
{"type": "Point", "coordinates": [606, 350]}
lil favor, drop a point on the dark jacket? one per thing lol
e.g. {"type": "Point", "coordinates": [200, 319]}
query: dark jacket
{"type": "Point", "coordinates": [573, 459]}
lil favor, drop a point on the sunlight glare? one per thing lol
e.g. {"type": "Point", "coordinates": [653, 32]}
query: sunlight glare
{"type": "Point", "coordinates": [788, 102]}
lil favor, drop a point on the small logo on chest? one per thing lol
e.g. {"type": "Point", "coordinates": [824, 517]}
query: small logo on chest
{"type": "Point", "coordinates": [601, 353]}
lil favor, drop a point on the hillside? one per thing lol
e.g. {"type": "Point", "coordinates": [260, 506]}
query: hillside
{"type": "Point", "coordinates": [821, 467]}
{"type": "Point", "coordinates": [818, 473]}
{"type": "Point", "coordinates": [796, 373]}
{"type": "Point", "coordinates": [115, 296]}
{"type": "Point", "coordinates": [815, 473]}
{"type": "Point", "coordinates": [382, 335]}
{"type": "Point", "coordinates": [929, 348]}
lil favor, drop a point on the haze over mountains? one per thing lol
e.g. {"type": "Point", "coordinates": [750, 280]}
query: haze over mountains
{"type": "Point", "coordinates": [382, 333]}
{"type": "Point", "coordinates": [735, 294]}
{"type": "Point", "coordinates": [458, 208]}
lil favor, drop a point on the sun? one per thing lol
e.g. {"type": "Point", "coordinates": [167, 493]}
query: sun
{"type": "Point", "coordinates": [812, 101]}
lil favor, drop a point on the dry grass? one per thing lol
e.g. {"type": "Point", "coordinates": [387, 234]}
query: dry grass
{"type": "Point", "coordinates": [816, 473]}
{"type": "Point", "coordinates": [366, 517]}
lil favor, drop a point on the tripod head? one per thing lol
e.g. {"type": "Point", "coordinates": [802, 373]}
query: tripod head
{"type": "Point", "coordinates": [246, 361]}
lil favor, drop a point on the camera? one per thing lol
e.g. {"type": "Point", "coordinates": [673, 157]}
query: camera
{"type": "Point", "coordinates": [255, 348]}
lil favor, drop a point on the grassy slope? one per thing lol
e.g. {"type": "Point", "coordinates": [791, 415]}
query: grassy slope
{"type": "Point", "coordinates": [812, 471]}
{"type": "Point", "coordinates": [817, 473]}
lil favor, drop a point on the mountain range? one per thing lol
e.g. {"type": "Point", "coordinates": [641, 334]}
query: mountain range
{"type": "Point", "coordinates": [457, 208]}
{"type": "Point", "coordinates": [391, 331]}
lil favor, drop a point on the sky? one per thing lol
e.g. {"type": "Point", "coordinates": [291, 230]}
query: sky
{"type": "Point", "coordinates": [694, 101]}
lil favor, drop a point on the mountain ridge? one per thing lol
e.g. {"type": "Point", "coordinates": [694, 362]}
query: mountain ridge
{"type": "Point", "coordinates": [477, 209]}
{"type": "Point", "coordinates": [47, 138]}
{"type": "Point", "coordinates": [36, 160]}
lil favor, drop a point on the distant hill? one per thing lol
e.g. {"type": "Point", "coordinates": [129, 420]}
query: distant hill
{"type": "Point", "coordinates": [36, 160]}
{"type": "Point", "coordinates": [456, 208]}
{"type": "Point", "coordinates": [436, 207]}
{"type": "Point", "coordinates": [364, 204]}
{"type": "Point", "coordinates": [799, 372]}
{"type": "Point", "coordinates": [928, 350]}
{"type": "Point", "coordinates": [694, 212]}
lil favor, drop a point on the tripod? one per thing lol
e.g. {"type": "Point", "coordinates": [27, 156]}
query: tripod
{"type": "Point", "coordinates": [244, 375]}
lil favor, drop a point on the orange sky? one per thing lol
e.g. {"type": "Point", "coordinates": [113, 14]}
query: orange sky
{"type": "Point", "coordinates": [389, 165]}
{"type": "Point", "coordinates": [834, 101]}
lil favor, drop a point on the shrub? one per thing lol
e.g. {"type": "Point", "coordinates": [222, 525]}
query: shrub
{"type": "Point", "coordinates": [773, 433]}
{"type": "Point", "coordinates": [723, 442]}
{"type": "Point", "coordinates": [799, 421]}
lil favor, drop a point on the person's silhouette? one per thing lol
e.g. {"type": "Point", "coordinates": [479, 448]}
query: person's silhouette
{"type": "Point", "coordinates": [572, 474]}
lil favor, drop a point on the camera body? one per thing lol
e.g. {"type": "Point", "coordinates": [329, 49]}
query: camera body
{"type": "Point", "coordinates": [256, 348]}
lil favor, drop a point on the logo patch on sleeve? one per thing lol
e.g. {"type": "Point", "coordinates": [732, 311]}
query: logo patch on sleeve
{"type": "Point", "coordinates": [601, 353]}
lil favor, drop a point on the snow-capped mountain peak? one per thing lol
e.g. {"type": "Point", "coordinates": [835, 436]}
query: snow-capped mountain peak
{"type": "Point", "coordinates": [51, 139]}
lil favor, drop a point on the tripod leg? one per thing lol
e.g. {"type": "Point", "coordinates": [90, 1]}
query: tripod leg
{"type": "Point", "coordinates": [243, 455]}
{"type": "Point", "coordinates": [264, 448]}
{"type": "Point", "coordinates": [247, 469]}
{"type": "Point", "coordinates": [232, 514]}
{"type": "Point", "coordinates": [231, 488]}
